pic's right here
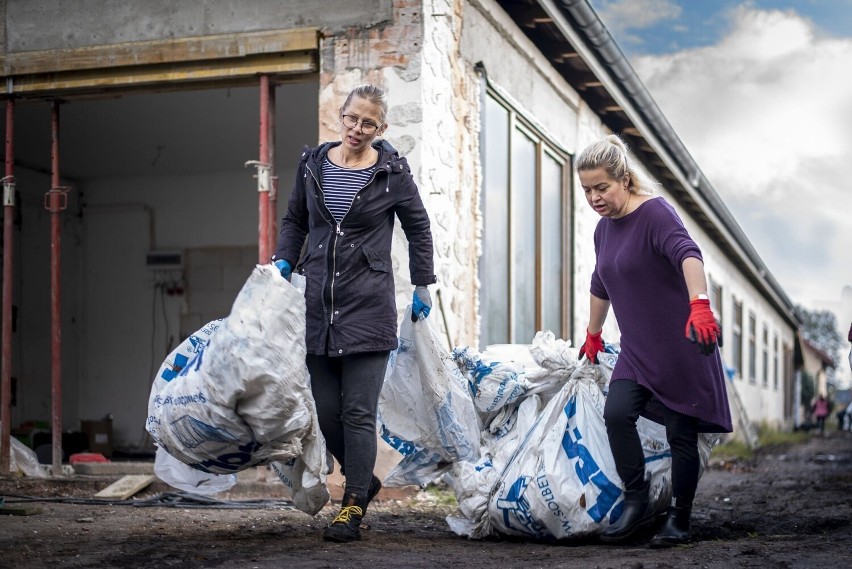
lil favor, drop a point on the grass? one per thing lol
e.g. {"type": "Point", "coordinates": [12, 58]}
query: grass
{"type": "Point", "coordinates": [735, 449]}
{"type": "Point", "coordinates": [442, 494]}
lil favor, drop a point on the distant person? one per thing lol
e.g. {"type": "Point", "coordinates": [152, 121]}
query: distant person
{"type": "Point", "coordinates": [850, 350]}
{"type": "Point", "coordinates": [345, 201]}
{"type": "Point", "coordinates": [651, 272]}
{"type": "Point", "coordinates": [820, 412]}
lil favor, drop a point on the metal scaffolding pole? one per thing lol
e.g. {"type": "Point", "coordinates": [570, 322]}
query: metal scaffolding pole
{"type": "Point", "coordinates": [8, 235]}
{"type": "Point", "coordinates": [273, 189]}
{"type": "Point", "coordinates": [263, 174]}
{"type": "Point", "coordinates": [55, 202]}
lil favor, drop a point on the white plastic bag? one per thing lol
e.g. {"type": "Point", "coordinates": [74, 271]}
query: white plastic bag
{"type": "Point", "coordinates": [494, 384]}
{"type": "Point", "coordinates": [243, 398]}
{"type": "Point", "coordinates": [425, 412]}
{"type": "Point", "coordinates": [183, 477]}
{"type": "Point", "coordinates": [24, 460]}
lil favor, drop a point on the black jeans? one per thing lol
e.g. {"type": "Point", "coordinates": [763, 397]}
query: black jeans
{"type": "Point", "coordinates": [346, 390]}
{"type": "Point", "coordinates": [625, 402]}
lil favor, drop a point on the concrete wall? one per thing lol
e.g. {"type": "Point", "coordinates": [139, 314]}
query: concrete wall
{"type": "Point", "coordinates": [47, 24]}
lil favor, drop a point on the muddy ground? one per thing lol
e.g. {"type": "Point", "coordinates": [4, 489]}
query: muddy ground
{"type": "Point", "coordinates": [787, 508]}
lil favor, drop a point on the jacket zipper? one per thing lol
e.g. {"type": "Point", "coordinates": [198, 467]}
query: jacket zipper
{"type": "Point", "coordinates": [337, 234]}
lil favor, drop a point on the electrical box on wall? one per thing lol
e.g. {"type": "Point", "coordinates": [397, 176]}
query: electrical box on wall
{"type": "Point", "coordinates": [164, 260]}
{"type": "Point", "coordinates": [167, 269]}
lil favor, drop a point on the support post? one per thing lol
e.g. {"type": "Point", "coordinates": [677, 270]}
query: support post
{"type": "Point", "coordinates": [55, 202]}
{"type": "Point", "coordinates": [273, 189]}
{"type": "Point", "coordinates": [6, 326]}
{"type": "Point", "coordinates": [263, 175]}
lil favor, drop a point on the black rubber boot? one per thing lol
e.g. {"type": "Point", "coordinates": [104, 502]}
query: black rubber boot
{"type": "Point", "coordinates": [346, 525]}
{"type": "Point", "coordinates": [675, 530]}
{"type": "Point", "coordinates": [634, 517]}
{"type": "Point", "coordinates": [374, 488]}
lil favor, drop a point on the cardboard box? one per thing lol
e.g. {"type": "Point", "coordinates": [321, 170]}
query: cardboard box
{"type": "Point", "coordinates": [100, 436]}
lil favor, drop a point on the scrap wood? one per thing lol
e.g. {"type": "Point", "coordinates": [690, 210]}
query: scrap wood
{"type": "Point", "coordinates": [126, 486]}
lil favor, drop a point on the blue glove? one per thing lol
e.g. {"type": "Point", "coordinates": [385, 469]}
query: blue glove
{"type": "Point", "coordinates": [421, 303]}
{"type": "Point", "coordinates": [284, 268]}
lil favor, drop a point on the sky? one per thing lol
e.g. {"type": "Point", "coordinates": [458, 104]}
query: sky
{"type": "Point", "coordinates": [760, 92]}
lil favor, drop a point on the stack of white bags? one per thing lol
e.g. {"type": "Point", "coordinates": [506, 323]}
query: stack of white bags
{"type": "Point", "coordinates": [539, 465]}
{"type": "Point", "coordinates": [517, 431]}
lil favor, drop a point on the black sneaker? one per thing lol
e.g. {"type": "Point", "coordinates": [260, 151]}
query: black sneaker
{"type": "Point", "coordinates": [346, 526]}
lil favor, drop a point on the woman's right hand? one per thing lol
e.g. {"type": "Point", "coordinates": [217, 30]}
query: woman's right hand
{"type": "Point", "coordinates": [591, 347]}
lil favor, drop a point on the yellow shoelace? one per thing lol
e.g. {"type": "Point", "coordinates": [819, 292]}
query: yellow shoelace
{"type": "Point", "coordinates": [346, 514]}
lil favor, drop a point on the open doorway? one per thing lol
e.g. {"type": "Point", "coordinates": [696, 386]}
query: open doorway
{"type": "Point", "coordinates": [160, 173]}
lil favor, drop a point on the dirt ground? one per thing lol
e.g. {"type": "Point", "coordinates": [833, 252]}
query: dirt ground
{"type": "Point", "coordinates": [788, 508]}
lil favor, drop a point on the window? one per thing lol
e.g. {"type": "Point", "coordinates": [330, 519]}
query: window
{"type": "Point", "coordinates": [737, 348]}
{"type": "Point", "coordinates": [765, 360]}
{"type": "Point", "coordinates": [525, 202]}
{"type": "Point", "coordinates": [752, 348]}
{"type": "Point", "coordinates": [715, 294]}
{"type": "Point", "coordinates": [775, 362]}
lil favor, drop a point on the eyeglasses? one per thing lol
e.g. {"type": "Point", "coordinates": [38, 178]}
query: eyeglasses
{"type": "Point", "coordinates": [351, 121]}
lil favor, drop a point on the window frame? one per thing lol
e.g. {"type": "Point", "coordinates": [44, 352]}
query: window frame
{"type": "Point", "coordinates": [545, 146]}
{"type": "Point", "coordinates": [737, 331]}
{"type": "Point", "coordinates": [752, 347]}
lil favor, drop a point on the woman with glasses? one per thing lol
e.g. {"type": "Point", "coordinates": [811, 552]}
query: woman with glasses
{"type": "Point", "coordinates": [337, 232]}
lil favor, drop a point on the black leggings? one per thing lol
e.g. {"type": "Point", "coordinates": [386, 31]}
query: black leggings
{"type": "Point", "coordinates": [346, 390]}
{"type": "Point", "coordinates": [625, 402]}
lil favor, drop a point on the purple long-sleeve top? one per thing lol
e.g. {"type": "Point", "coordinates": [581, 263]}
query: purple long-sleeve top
{"type": "Point", "coordinates": [639, 270]}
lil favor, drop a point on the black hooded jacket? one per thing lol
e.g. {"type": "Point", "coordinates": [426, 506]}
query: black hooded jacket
{"type": "Point", "coordinates": [350, 296]}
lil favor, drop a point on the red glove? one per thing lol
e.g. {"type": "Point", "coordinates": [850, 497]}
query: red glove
{"type": "Point", "coordinates": [702, 328]}
{"type": "Point", "coordinates": [591, 347]}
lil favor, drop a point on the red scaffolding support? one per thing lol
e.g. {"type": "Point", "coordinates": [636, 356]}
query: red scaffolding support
{"type": "Point", "coordinates": [263, 175]}
{"type": "Point", "coordinates": [273, 188]}
{"type": "Point", "coordinates": [8, 235]}
{"type": "Point", "coordinates": [55, 201]}
{"type": "Point", "coordinates": [266, 183]}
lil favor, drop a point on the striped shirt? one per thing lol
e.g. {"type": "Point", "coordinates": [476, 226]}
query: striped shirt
{"type": "Point", "coordinates": [340, 186]}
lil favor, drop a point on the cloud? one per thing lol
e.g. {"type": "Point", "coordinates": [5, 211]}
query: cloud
{"type": "Point", "coordinates": [620, 15]}
{"type": "Point", "coordinates": [766, 113]}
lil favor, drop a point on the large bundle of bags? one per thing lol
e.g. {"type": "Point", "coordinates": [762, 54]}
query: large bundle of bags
{"type": "Point", "coordinates": [236, 394]}
{"type": "Point", "coordinates": [543, 468]}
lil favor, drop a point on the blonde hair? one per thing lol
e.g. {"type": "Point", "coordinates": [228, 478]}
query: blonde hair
{"type": "Point", "coordinates": [611, 154]}
{"type": "Point", "coordinates": [375, 95]}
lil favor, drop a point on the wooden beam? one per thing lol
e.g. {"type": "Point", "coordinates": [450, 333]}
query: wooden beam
{"type": "Point", "coordinates": [181, 50]}
{"type": "Point", "coordinates": [126, 486]}
{"type": "Point", "coordinates": [148, 75]}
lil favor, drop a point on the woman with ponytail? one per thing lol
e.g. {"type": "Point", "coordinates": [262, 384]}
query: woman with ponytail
{"type": "Point", "coordinates": [651, 272]}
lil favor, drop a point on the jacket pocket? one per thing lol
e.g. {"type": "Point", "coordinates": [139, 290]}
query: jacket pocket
{"type": "Point", "coordinates": [376, 262]}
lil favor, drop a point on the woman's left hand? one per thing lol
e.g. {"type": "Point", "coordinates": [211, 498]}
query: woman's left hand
{"type": "Point", "coordinates": [702, 328]}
